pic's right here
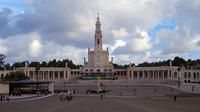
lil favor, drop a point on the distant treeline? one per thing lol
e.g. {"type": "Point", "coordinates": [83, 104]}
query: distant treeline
{"type": "Point", "coordinates": [176, 62]}
{"type": "Point", "coordinates": [61, 63]}
{"type": "Point", "coordinates": [53, 63]}
{"type": "Point", "coordinates": [180, 62]}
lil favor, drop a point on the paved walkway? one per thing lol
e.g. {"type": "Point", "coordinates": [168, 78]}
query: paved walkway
{"type": "Point", "coordinates": [26, 98]}
{"type": "Point", "coordinates": [108, 104]}
{"type": "Point", "coordinates": [187, 87]}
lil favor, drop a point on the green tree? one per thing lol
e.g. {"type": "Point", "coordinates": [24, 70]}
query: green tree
{"type": "Point", "coordinates": [179, 62]}
{"type": "Point", "coordinates": [18, 64]}
{"type": "Point", "coordinates": [43, 64]}
{"type": "Point", "coordinates": [15, 76]}
{"type": "Point", "coordinates": [116, 66]}
{"type": "Point", "coordinates": [34, 64]}
{"type": "Point", "coordinates": [8, 67]}
{"type": "Point", "coordinates": [2, 59]}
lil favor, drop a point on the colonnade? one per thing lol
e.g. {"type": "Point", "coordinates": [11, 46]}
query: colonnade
{"type": "Point", "coordinates": [51, 74]}
{"type": "Point", "coordinates": [152, 74]}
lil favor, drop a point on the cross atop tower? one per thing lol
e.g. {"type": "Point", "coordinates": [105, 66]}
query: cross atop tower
{"type": "Point", "coordinates": [98, 16]}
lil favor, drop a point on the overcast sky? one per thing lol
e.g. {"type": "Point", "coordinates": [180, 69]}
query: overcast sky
{"type": "Point", "coordinates": [134, 30]}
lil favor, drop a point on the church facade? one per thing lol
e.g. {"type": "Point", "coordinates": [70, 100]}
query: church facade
{"type": "Point", "coordinates": [98, 59]}
{"type": "Point", "coordinates": [99, 63]}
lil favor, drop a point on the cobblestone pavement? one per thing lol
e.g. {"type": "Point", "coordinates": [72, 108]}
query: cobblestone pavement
{"type": "Point", "coordinates": [147, 98]}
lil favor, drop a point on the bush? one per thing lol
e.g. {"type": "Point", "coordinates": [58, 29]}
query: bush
{"type": "Point", "coordinates": [15, 76]}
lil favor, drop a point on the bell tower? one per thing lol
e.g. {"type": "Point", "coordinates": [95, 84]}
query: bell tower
{"type": "Point", "coordinates": [98, 59]}
{"type": "Point", "coordinates": [98, 35]}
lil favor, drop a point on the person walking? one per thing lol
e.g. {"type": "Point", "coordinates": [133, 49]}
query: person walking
{"type": "Point", "coordinates": [175, 98]}
{"type": "Point", "coordinates": [101, 96]}
{"type": "Point", "coordinates": [1, 98]}
{"type": "Point", "coordinates": [192, 88]}
{"type": "Point", "coordinates": [68, 95]}
{"type": "Point", "coordinates": [61, 96]}
{"type": "Point", "coordinates": [71, 92]}
{"type": "Point", "coordinates": [7, 98]}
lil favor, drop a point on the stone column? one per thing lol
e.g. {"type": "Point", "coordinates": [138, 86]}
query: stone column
{"type": "Point", "coordinates": [53, 75]}
{"type": "Point", "coordinates": [64, 74]}
{"type": "Point", "coordinates": [143, 75]}
{"type": "Point", "coordinates": [192, 76]}
{"type": "Point", "coordinates": [43, 75]}
{"type": "Point", "coordinates": [138, 74]}
{"type": "Point", "coordinates": [168, 74]}
{"type": "Point", "coordinates": [68, 74]}
{"type": "Point", "coordinates": [128, 74]}
{"type": "Point", "coordinates": [132, 74]}
{"type": "Point", "coordinates": [28, 73]}
{"type": "Point", "coordinates": [162, 74]}
{"type": "Point", "coordinates": [58, 75]}
{"type": "Point", "coordinates": [48, 75]}
{"type": "Point", "coordinates": [148, 77]}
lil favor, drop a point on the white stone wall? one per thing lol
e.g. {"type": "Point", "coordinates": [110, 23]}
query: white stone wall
{"type": "Point", "coordinates": [169, 73]}
{"type": "Point", "coordinates": [4, 88]}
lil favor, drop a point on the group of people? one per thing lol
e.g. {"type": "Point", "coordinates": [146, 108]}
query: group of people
{"type": "Point", "coordinates": [66, 95]}
{"type": "Point", "coordinates": [4, 97]}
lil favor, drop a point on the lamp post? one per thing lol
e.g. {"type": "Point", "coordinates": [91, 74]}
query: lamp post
{"type": "Point", "coordinates": [98, 83]}
{"type": "Point", "coordinates": [37, 68]}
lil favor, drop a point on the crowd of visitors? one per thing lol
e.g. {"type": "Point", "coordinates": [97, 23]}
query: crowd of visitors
{"type": "Point", "coordinates": [4, 97]}
{"type": "Point", "coordinates": [66, 95]}
{"type": "Point", "coordinates": [21, 92]}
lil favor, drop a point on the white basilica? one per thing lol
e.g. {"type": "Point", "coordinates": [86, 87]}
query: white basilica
{"type": "Point", "coordinates": [98, 59]}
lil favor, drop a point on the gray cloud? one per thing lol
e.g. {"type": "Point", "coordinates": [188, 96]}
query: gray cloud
{"type": "Point", "coordinates": [4, 17]}
{"type": "Point", "coordinates": [70, 24]}
{"type": "Point", "coordinates": [198, 43]}
{"type": "Point", "coordinates": [181, 39]}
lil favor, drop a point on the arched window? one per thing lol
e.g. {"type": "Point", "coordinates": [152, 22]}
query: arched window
{"type": "Point", "coordinates": [2, 77]}
{"type": "Point", "coordinates": [98, 70]}
{"type": "Point", "coordinates": [185, 75]}
{"type": "Point", "coordinates": [189, 75]}
{"type": "Point", "coordinates": [195, 76]}
{"type": "Point", "coordinates": [130, 75]}
{"type": "Point", "coordinates": [175, 75]}
{"type": "Point", "coordinates": [98, 41]}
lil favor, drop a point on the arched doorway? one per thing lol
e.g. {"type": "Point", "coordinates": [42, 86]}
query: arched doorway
{"type": "Point", "coordinates": [98, 70]}
{"type": "Point", "coordinates": [2, 77]}
{"type": "Point", "coordinates": [175, 75]}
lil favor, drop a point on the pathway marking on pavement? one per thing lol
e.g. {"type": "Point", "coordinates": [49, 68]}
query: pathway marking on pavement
{"type": "Point", "coordinates": [135, 106]}
{"type": "Point", "coordinates": [111, 96]}
{"type": "Point", "coordinates": [29, 99]}
{"type": "Point", "coordinates": [63, 106]}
